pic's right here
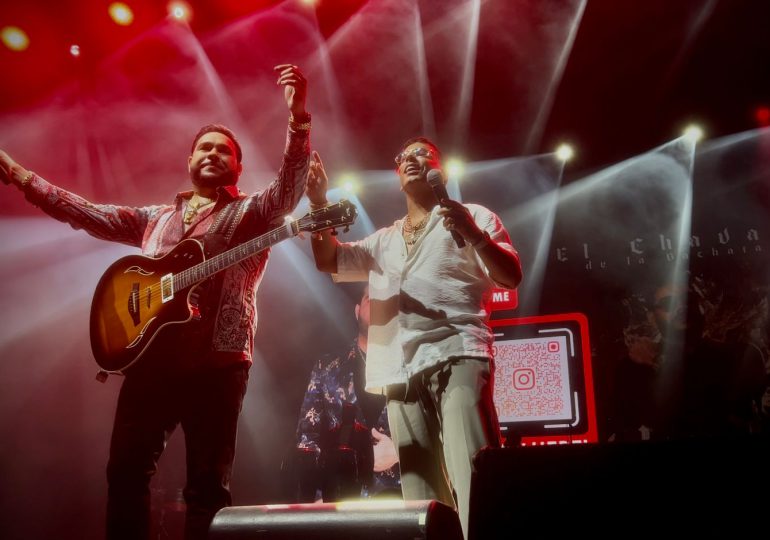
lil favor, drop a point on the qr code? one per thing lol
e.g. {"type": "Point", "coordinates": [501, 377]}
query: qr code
{"type": "Point", "coordinates": [532, 379]}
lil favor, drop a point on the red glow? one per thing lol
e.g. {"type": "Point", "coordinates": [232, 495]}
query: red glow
{"type": "Point", "coordinates": [762, 116]}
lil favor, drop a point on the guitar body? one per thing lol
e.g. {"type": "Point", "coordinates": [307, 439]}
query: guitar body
{"type": "Point", "coordinates": [128, 309]}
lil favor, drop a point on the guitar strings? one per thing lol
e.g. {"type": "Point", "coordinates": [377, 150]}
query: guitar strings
{"type": "Point", "coordinates": [150, 292]}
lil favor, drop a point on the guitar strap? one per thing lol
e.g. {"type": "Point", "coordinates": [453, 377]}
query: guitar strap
{"type": "Point", "coordinates": [220, 234]}
{"type": "Point", "coordinates": [217, 240]}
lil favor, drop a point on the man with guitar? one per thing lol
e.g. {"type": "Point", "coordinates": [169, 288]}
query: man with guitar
{"type": "Point", "coordinates": [181, 330]}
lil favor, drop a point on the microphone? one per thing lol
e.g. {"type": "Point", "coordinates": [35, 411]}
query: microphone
{"type": "Point", "coordinates": [436, 182]}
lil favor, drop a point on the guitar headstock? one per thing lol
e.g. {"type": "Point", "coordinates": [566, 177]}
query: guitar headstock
{"type": "Point", "coordinates": [341, 214]}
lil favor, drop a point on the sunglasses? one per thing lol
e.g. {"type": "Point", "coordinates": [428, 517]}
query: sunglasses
{"type": "Point", "coordinates": [420, 151]}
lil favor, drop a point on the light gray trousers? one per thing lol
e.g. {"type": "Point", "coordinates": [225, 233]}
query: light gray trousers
{"type": "Point", "coordinates": [438, 422]}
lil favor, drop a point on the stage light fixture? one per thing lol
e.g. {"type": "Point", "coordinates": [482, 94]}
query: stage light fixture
{"type": "Point", "coordinates": [180, 10]}
{"type": "Point", "coordinates": [455, 168]}
{"type": "Point", "coordinates": [565, 152]}
{"type": "Point", "coordinates": [120, 13]}
{"type": "Point", "coordinates": [14, 38]}
{"type": "Point", "coordinates": [349, 182]}
{"type": "Point", "coordinates": [75, 50]}
{"type": "Point", "coordinates": [693, 132]}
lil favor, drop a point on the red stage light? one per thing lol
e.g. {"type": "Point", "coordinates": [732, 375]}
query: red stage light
{"type": "Point", "coordinates": [762, 116]}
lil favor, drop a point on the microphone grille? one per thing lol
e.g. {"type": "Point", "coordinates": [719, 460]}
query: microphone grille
{"type": "Point", "coordinates": [434, 177]}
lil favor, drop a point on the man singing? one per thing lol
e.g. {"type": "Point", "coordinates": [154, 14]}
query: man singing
{"type": "Point", "coordinates": [429, 348]}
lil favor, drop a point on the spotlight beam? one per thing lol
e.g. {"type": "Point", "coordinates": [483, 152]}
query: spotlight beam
{"type": "Point", "coordinates": [536, 132]}
{"type": "Point", "coordinates": [222, 96]}
{"type": "Point", "coordinates": [426, 103]}
{"type": "Point", "coordinates": [701, 18]}
{"type": "Point", "coordinates": [462, 117]}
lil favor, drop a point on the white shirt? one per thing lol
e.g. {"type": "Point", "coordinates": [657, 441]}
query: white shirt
{"type": "Point", "coordinates": [427, 306]}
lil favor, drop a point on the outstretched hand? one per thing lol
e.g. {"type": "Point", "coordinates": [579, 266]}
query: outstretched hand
{"type": "Point", "coordinates": [10, 171]}
{"type": "Point", "coordinates": [295, 87]}
{"type": "Point", "coordinates": [317, 181]}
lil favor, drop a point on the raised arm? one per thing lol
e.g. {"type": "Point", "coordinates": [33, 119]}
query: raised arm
{"type": "Point", "coordinates": [283, 194]}
{"type": "Point", "coordinates": [324, 244]}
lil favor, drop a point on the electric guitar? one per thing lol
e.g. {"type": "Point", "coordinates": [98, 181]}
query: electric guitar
{"type": "Point", "coordinates": [138, 296]}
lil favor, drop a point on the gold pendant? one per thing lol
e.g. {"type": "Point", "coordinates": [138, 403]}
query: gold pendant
{"type": "Point", "coordinates": [193, 207]}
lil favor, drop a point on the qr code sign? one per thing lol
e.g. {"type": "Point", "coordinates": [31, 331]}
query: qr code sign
{"type": "Point", "coordinates": [532, 379]}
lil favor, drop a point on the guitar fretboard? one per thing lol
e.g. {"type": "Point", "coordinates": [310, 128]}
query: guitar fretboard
{"type": "Point", "coordinates": [233, 256]}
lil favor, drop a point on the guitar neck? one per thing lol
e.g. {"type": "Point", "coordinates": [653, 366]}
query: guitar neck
{"type": "Point", "coordinates": [233, 256]}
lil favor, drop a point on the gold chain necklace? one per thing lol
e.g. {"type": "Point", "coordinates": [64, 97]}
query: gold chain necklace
{"type": "Point", "coordinates": [411, 232]}
{"type": "Point", "coordinates": [194, 206]}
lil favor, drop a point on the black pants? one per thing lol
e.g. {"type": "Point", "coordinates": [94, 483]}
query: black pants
{"type": "Point", "coordinates": [207, 404]}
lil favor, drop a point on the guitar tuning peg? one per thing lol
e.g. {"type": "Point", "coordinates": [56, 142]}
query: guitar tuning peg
{"type": "Point", "coordinates": [334, 232]}
{"type": "Point", "coordinates": [347, 228]}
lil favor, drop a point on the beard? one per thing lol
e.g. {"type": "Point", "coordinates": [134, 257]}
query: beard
{"type": "Point", "coordinates": [223, 177]}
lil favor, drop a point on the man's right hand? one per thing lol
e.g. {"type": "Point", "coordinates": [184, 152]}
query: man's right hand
{"type": "Point", "coordinates": [324, 244]}
{"type": "Point", "coordinates": [385, 454]}
{"type": "Point", "coordinates": [295, 88]}
{"type": "Point", "coordinates": [317, 181]}
{"type": "Point", "coordinates": [10, 171]}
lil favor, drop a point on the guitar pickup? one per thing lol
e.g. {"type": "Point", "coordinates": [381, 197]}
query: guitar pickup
{"type": "Point", "coordinates": [133, 304]}
{"type": "Point", "coordinates": [167, 288]}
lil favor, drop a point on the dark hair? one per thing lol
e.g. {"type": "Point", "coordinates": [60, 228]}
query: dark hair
{"type": "Point", "coordinates": [423, 140]}
{"type": "Point", "coordinates": [219, 128]}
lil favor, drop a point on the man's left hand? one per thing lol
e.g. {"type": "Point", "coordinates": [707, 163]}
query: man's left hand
{"type": "Point", "coordinates": [295, 87]}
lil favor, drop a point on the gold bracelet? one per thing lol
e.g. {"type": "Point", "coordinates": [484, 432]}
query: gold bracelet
{"type": "Point", "coordinates": [300, 126]}
{"type": "Point", "coordinates": [314, 206]}
{"type": "Point", "coordinates": [27, 179]}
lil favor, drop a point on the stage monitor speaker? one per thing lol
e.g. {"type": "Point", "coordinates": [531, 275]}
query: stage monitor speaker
{"type": "Point", "coordinates": [369, 520]}
{"type": "Point", "coordinates": [697, 487]}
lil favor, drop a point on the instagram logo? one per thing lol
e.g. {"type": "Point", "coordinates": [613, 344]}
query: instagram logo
{"type": "Point", "coordinates": [523, 379]}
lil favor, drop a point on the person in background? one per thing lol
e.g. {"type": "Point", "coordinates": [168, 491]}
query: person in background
{"type": "Point", "coordinates": [336, 411]}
